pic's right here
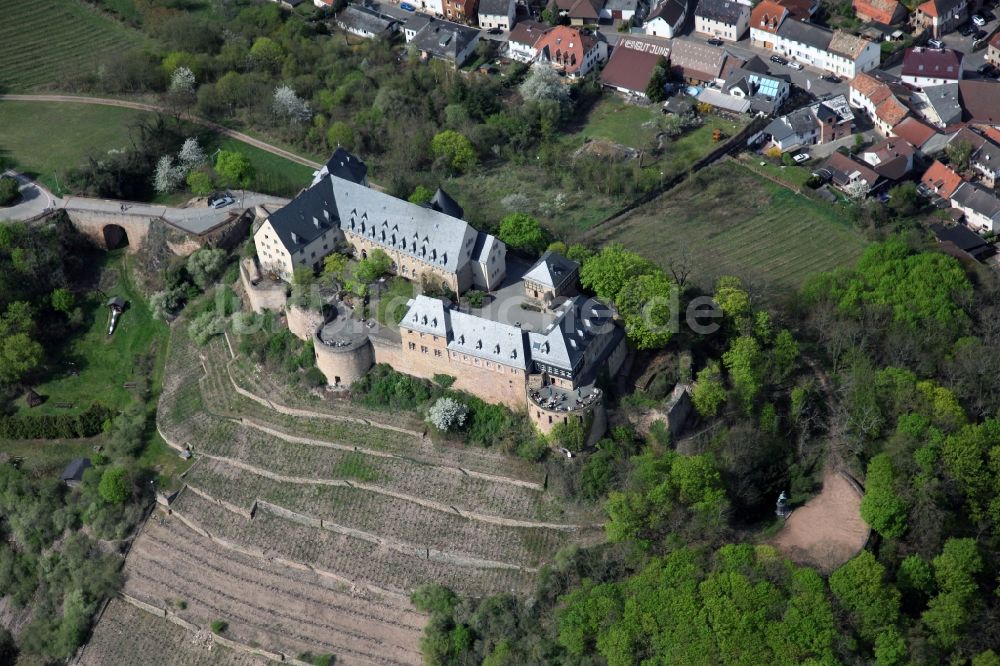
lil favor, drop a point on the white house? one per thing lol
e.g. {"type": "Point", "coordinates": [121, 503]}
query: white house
{"type": "Point", "coordinates": [724, 19]}
{"type": "Point", "coordinates": [496, 14]}
{"type": "Point", "coordinates": [980, 207]}
{"type": "Point", "coordinates": [522, 39]}
{"type": "Point", "coordinates": [666, 18]}
{"type": "Point", "coordinates": [932, 67]}
{"type": "Point", "coordinates": [366, 23]}
{"type": "Point", "coordinates": [619, 10]}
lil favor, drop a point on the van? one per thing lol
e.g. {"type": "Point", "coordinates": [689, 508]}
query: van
{"type": "Point", "coordinates": [935, 43]}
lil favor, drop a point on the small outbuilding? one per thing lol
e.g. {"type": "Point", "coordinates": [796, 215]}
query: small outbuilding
{"type": "Point", "coordinates": [33, 399]}
{"type": "Point", "coordinates": [72, 476]}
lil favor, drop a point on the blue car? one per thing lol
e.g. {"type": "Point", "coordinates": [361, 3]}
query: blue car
{"type": "Point", "coordinates": [407, 7]}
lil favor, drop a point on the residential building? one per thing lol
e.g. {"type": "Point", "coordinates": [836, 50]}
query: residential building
{"type": "Point", "coordinates": [963, 243]}
{"type": "Point", "coordinates": [579, 12]}
{"type": "Point", "coordinates": [850, 176]}
{"type": "Point", "coordinates": [984, 158]}
{"type": "Point", "coordinates": [822, 122]}
{"type": "Point", "coordinates": [881, 100]}
{"type": "Point", "coordinates": [631, 64]}
{"type": "Point", "coordinates": [940, 180]}
{"type": "Point", "coordinates": [619, 10]}
{"type": "Point", "coordinates": [571, 50]}
{"type": "Point", "coordinates": [940, 17]}
{"type": "Point", "coordinates": [772, 27]}
{"type": "Point", "coordinates": [497, 14]}
{"type": "Point", "coordinates": [365, 22]}
{"type": "Point", "coordinates": [981, 207]}
{"type": "Point", "coordinates": [723, 19]}
{"type": "Point", "coordinates": [993, 50]}
{"type": "Point", "coordinates": [891, 158]}
{"type": "Point", "coordinates": [939, 105]}
{"type": "Point", "coordinates": [979, 101]}
{"type": "Point", "coordinates": [432, 7]}
{"type": "Point", "coordinates": [460, 11]}
{"type": "Point", "coordinates": [924, 67]}
{"type": "Point", "coordinates": [699, 63]}
{"type": "Point", "coordinates": [414, 23]}
{"type": "Point", "coordinates": [553, 276]}
{"type": "Point", "coordinates": [522, 39]}
{"type": "Point", "coordinates": [886, 12]}
{"type": "Point", "coordinates": [919, 135]}
{"type": "Point", "coordinates": [800, 10]}
{"type": "Point", "coordinates": [445, 40]}
{"type": "Point", "coordinates": [666, 18]}
{"type": "Point", "coordinates": [765, 92]}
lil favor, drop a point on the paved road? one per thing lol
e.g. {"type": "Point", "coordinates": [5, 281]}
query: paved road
{"type": "Point", "coordinates": [194, 219]}
{"type": "Point", "coordinates": [140, 106]}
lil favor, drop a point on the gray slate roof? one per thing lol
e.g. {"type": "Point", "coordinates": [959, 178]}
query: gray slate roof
{"type": "Point", "coordinates": [75, 469]}
{"type": "Point", "coordinates": [670, 11]}
{"type": "Point", "coordinates": [984, 202]}
{"type": "Point", "coordinates": [364, 20]}
{"type": "Point", "coordinates": [563, 344]}
{"type": "Point", "coordinates": [725, 11]}
{"type": "Point", "coordinates": [421, 232]}
{"type": "Point", "coordinates": [798, 122]}
{"type": "Point", "coordinates": [805, 33]}
{"type": "Point", "coordinates": [487, 339]}
{"type": "Point", "coordinates": [552, 270]}
{"type": "Point", "coordinates": [444, 39]}
{"type": "Point", "coordinates": [306, 217]}
{"type": "Point", "coordinates": [495, 7]}
{"type": "Point", "coordinates": [443, 203]}
{"type": "Point", "coordinates": [944, 99]}
{"type": "Point", "coordinates": [346, 165]}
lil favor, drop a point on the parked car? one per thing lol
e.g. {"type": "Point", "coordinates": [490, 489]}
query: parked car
{"type": "Point", "coordinates": [407, 7]}
{"type": "Point", "coordinates": [986, 69]}
{"type": "Point", "coordinates": [830, 78]}
{"type": "Point", "coordinates": [779, 60]}
{"type": "Point", "coordinates": [715, 41]}
{"type": "Point", "coordinates": [978, 20]}
{"type": "Point", "coordinates": [801, 157]}
{"type": "Point", "coordinates": [795, 65]}
{"type": "Point", "coordinates": [966, 29]}
{"type": "Point", "coordinates": [221, 200]}
{"type": "Point", "coordinates": [494, 31]}
{"type": "Point", "coordinates": [935, 43]}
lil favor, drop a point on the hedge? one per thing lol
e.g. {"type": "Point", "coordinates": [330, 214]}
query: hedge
{"type": "Point", "coordinates": [56, 426]}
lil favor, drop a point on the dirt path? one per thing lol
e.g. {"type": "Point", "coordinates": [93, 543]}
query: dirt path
{"type": "Point", "coordinates": [828, 530]}
{"type": "Point", "coordinates": [140, 106]}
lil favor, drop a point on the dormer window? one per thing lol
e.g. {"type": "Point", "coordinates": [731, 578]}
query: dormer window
{"type": "Point", "coordinates": [513, 353]}
{"type": "Point", "coordinates": [479, 344]}
{"type": "Point", "coordinates": [496, 349]}
{"type": "Point", "coordinates": [434, 322]}
{"type": "Point", "coordinates": [461, 339]}
{"type": "Point", "coordinates": [424, 320]}
{"type": "Point", "coordinates": [434, 254]}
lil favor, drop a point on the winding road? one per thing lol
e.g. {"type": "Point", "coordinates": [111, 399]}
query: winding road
{"type": "Point", "coordinates": [153, 108]}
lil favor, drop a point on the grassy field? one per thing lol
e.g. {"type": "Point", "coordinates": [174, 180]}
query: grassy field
{"type": "Point", "coordinates": [728, 220]}
{"type": "Point", "coordinates": [44, 43]}
{"type": "Point", "coordinates": [627, 124]}
{"type": "Point", "coordinates": [46, 139]}
{"type": "Point", "coordinates": [50, 456]}
{"type": "Point", "coordinates": [104, 363]}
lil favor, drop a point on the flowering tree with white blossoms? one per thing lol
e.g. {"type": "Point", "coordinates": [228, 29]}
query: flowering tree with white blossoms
{"type": "Point", "coordinates": [447, 413]}
{"type": "Point", "coordinates": [168, 176]}
{"type": "Point", "coordinates": [191, 154]}
{"type": "Point", "coordinates": [182, 81]}
{"type": "Point", "coordinates": [290, 105]}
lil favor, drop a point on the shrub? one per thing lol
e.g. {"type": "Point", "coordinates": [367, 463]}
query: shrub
{"type": "Point", "coordinates": [219, 626]}
{"type": "Point", "coordinates": [475, 298]}
{"type": "Point", "coordinates": [447, 414]}
{"type": "Point", "coordinates": [114, 487]}
{"type": "Point", "coordinates": [444, 381]}
{"type": "Point", "coordinates": [8, 191]}
{"type": "Point", "coordinates": [206, 326]}
{"type": "Point", "coordinates": [55, 426]}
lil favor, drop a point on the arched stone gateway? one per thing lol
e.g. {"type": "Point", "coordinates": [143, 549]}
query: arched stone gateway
{"type": "Point", "coordinates": [115, 236]}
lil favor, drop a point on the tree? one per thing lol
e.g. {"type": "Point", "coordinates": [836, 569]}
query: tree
{"type": "Point", "coordinates": [62, 300]}
{"type": "Point", "coordinates": [340, 134]}
{"type": "Point", "coordinates": [421, 195]}
{"type": "Point", "coordinates": [447, 414]}
{"type": "Point", "coordinates": [455, 149]}
{"type": "Point", "coordinates": [334, 267]}
{"type": "Point", "coordinates": [200, 183]}
{"type": "Point", "coordinates": [182, 82]}
{"type": "Point", "coordinates": [114, 487]}
{"type": "Point", "coordinates": [206, 326]}
{"type": "Point", "coordinates": [882, 507]}
{"type": "Point", "coordinates": [860, 587]}
{"type": "Point", "coordinates": [656, 89]}
{"type": "Point", "coordinates": [745, 363]}
{"type": "Point", "coordinates": [543, 83]}
{"type": "Point", "coordinates": [523, 232]}
{"type": "Point", "coordinates": [784, 355]}
{"type": "Point", "coordinates": [164, 303]}
{"type": "Point", "coordinates": [168, 176]}
{"type": "Point", "coordinates": [904, 200]}
{"type": "Point", "coordinates": [205, 266]}
{"type": "Point", "coordinates": [234, 168]}
{"type": "Point", "coordinates": [19, 357]}
{"type": "Point", "coordinates": [377, 264]}
{"type": "Point", "coordinates": [648, 304]}
{"type": "Point", "coordinates": [9, 190]}
{"type": "Point", "coordinates": [959, 153]}
{"type": "Point", "coordinates": [709, 393]}
{"type": "Point", "coordinates": [607, 272]}
{"type": "Point", "coordinates": [266, 54]}
{"type": "Point", "coordinates": [191, 154]}
{"type": "Point", "coordinates": [290, 106]}
{"type": "Point", "coordinates": [858, 189]}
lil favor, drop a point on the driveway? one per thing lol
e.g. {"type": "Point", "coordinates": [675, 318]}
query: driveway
{"type": "Point", "coordinates": [35, 199]}
{"type": "Point", "coordinates": [826, 149]}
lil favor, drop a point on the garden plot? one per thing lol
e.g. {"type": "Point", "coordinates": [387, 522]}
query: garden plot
{"type": "Point", "coordinates": [287, 610]}
{"type": "Point", "coordinates": [387, 517]}
{"type": "Point", "coordinates": [349, 559]}
{"type": "Point", "coordinates": [127, 635]}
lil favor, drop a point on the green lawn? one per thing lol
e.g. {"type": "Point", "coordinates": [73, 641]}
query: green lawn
{"type": "Point", "coordinates": [627, 124]}
{"type": "Point", "coordinates": [46, 42]}
{"type": "Point", "coordinates": [104, 363]}
{"type": "Point", "coordinates": [728, 220]}
{"type": "Point", "coordinates": [50, 456]}
{"type": "Point", "coordinates": [392, 302]}
{"type": "Point", "coordinates": [46, 139]}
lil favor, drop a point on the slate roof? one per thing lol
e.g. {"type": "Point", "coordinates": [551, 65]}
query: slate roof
{"type": "Point", "coordinates": [724, 11]}
{"type": "Point", "coordinates": [798, 122]}
{"type": "Point", "coordinates": [934, 63]}
{"type": "Point", "coordinates": [579, 9]}
{"type": "Point", "coordinates": [670, 11]}
{"type": "Point", "coordinates": [563, 344]}
{"type": "Point", "coordinates": [306, 217]}
{"type": "Point", "coordinates": [363, 19]}
{"type": "Point", "coordinates": [806, 33]}
{"type": "Point", "coordinates": [552, 270]}
{"type": "Point", "coordinates": [494, 7]}
{"type": "Point", "coordinates": [961, 236]}
{"type": "Point", "coordinates": [761, 89]}
{"type": "Point", "coordinates": [487, 339]}
{"type": "Point", "coordinates": [343, 164]}
{"type": "Point", "coordinates": [444, 39]}
{"type": "Point", "coordinates": [426, 315]}
{"type": "Point", "coordinates": [843, 170]}
{"type": "Point", "coordinates": [75, 469]}
{"type": "Point", "coordinates": [423, 233]}
{"type": "Point", "coordinates": [944, 100]}
{"type": "Point", "coordinates": [443, 203]}
{"type": "Point", "coordinates": [984, 202]}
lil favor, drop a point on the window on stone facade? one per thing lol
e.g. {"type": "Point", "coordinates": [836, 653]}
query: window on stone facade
{"type": "Point", "coordinates": [413, 345]}
{"type": "Point", "coordinates": [423, 349]}
{"type": "Point", "coordinates": [437, 352]}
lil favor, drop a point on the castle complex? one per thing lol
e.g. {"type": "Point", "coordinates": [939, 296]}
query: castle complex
{"type": "Point", "coordinates": [535, 344]}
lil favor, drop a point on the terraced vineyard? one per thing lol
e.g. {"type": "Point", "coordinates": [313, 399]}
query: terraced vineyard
{"type": "Point", "coordinates": [305, 523]}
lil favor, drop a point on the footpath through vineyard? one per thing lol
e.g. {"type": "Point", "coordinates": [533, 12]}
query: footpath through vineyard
{"type": "Point", "coordinates": [305, 523]}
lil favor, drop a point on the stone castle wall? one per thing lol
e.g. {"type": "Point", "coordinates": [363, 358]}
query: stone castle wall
{"type": "Point", "coordinates": [343, 366]}
{"type": "Point", "coordinates": [303, 323]}
{"type": "Point", "coordinates": [265, 296]}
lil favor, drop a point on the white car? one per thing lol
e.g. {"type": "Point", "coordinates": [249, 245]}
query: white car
{"type": "Point", "coordinates": [801, 157]}
{"type": "Point", "coordinates": [222, 201]}
{"type": "Point", "coordinates": [979, 20]}
{"type": "Point", "coordinates": [795, 65]}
